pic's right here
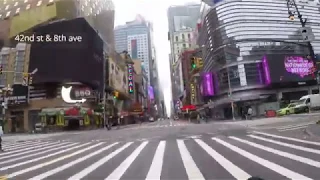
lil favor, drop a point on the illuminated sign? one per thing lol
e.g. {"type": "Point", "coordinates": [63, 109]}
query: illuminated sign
{"type": "Point", "coordinates": [193, 92]}
{"type": "Point", "coordinates": [65, 94]}
{"type": "Point", "coordinates": [130, 78]}
{"type": "Point", "coordinates": [299, 65]}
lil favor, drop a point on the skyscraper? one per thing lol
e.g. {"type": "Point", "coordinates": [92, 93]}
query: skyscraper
{"type": "Point", "coordinates": [135, 37]}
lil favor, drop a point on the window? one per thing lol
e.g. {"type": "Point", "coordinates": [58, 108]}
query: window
{"type": "Point", "coordinates": [184, 45]}
{"type": "Point", "coordinates": [177, 38]}
{"type": "Point", "coordinates": [254, 73]}
{"type": "Point", "coordinates": [183, 36]}
{"type": "Point", "coordinates": [19, 66]}
{"type": "Point", "coordinates": [4, 59]}
{"type": "Point", "coordinates": [189, 36]}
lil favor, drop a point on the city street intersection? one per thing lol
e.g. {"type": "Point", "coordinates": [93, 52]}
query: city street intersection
{"type": "Point", "coordinates": [168, 150]}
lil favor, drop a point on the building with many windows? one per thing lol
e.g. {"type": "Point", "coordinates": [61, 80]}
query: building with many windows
{"type": "Point", "coordinates": [135, 37]}
{"type": "Point", "coordinates": [182, 23]}
{"type": "Point", "coordinates": [55, 65]}
{"type": "Point", "coordinates": [248, 47]}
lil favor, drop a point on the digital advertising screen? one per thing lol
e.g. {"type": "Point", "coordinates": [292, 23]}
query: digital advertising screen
{"type": "Point", "coordinates": [66, 61]}
{"type": "Point", "coordinates": [286, 69]}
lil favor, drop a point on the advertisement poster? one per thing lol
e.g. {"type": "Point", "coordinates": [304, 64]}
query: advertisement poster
{"type": "Point", "coordinates": [285, 69]}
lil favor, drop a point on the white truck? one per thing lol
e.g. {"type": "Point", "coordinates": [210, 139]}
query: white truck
{"type": "Point", "coordinates": [307, 102]}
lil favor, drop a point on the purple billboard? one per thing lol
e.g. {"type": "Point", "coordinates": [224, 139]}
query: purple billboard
{"type": "Point", "coordinates": [150, 93]}
{"type": "Point", "coordinates": [207, 87]}
{"type": "Point", "coordinates": [282, 68]}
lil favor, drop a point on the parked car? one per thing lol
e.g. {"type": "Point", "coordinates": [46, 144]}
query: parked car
{"type": "Point", "coordinates": [287, 110]}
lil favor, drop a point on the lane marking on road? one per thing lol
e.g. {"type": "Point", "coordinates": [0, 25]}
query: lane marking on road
{"type": "Point", "coordinates": [50, 148]}
{"type": "Point", "coordinates": [280, 153]}
{"type": "Point", "coordinates": [157, 163]}
{"type": "Point", "coordinates": [24, 146]}
{"type": "Point", "coordinates": [24, 150]}
{"type": "Point", "coordinates": [32, 168]}
{"type": "Point", "coordinates": [99, 163]}
{"type": "Point", "coordinates": [40, 158]}
{"type": "Point", "coordinates": [190, 166]}
{"type": "Point", "coordinates": [288, 138]}
{"type": "Point", "coordinates": [287, 145]}
{"type": "Point", "coordinates": [234, 170]}
{"type": "Point", "coordinates": [192, 169]}
{"type": "Point", "coordinates": [61, 168]}
{"type": "Point", "coordinates": [293, 126]}
{"type": "Point", "coordinates": [292, 129]}
{"type": "Point", "coordinates": [268, 164]}
{"type": "Point", "coordinates": [122, 168]}
{"type": "Point", "coordinates": [16, 145]}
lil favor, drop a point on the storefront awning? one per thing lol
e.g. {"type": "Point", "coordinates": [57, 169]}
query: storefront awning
{"type": "Point", "coordinates": [189, 108]}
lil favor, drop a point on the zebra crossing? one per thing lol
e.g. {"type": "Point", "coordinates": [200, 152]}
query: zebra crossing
{"type": "Point", "coordinates": [219, 157]}
{"type": "Point", "coordinates": [294, 127]}
{"type": "Point", "coordinates": [160, 126]}
{"type": "Point", "coordinates": [282, 128]}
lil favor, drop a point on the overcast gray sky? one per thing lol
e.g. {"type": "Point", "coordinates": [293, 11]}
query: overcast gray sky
{"type": "Point", "coordinates": [156, 12]}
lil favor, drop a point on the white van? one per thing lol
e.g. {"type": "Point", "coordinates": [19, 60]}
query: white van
{"type": "Point", "coordinates": [308, 102]}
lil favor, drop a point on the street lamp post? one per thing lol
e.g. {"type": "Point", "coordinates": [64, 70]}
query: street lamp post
{"type": "Point", "coordinates": [303, 21]}
{"type": "Point", "coordinates": [105, 120]}
{"type": "Point", "coordinates": [230, 94]}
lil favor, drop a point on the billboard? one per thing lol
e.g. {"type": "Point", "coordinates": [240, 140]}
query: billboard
{"type": "Point", "coordinates": [286, 69]}
{"type": "Point", "coordinates": [66, 61]}
{"type": "Point", "coordinates": [207, 86]}
{"type": "Point", "coordinates": [150, 93]}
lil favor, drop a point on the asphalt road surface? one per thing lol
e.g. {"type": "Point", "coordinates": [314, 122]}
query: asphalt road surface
{"type": "Point", "coordinates": [168, 150]}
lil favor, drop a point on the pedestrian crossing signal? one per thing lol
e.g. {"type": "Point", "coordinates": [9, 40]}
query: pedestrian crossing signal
{"type": "Point", "coordinates": [25, 79]}
{"type": "Point", "coordinates": [30, 80]}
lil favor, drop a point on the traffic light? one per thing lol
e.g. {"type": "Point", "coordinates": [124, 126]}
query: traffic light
{"type": "Point", "coordinates": [1, 69]}
{"type": "Point", "coordinates": [291, 16]}
{"type": "Point", "coordinates": [30, 80]}
{"type": "Point", "coordinates": [115, 95]}
{"type": "Point", "coordinates": [199, 62]}
{"type": "Point", "coordinates": [25, 79]}
{"type": "Point", "coordinates": [193, 63]}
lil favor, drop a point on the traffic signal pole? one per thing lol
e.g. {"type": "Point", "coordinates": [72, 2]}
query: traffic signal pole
{"type": "Point", "coordinates": [303, 21]}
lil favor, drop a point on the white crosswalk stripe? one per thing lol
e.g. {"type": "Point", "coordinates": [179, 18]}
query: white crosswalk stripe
{"type": "Point", "coordinates": [119, 160]}
{"type": "Point", "coordinates": [294, 127]}
{"type": "Point", "coordinates": [281, 128]}
{"type": "Point", "coordinates": [160, 126]}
